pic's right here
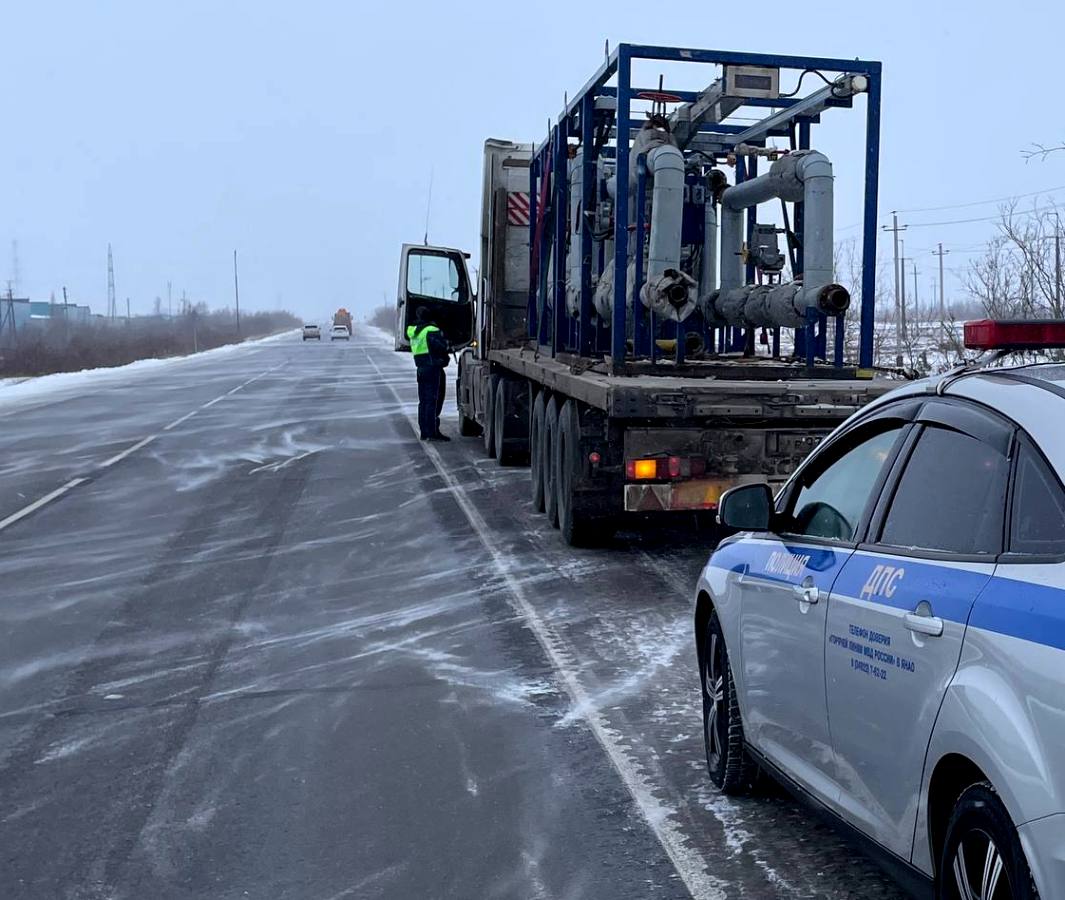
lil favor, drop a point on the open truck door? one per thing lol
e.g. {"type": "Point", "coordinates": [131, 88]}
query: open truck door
{"type": "Point", "coordinates": [435, 278]}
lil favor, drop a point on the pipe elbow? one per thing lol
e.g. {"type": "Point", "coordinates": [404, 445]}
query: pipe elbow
{"type": "Point", "coordinates": [665, 158]}
{"type": "Point", "coordinates": [813, 164]}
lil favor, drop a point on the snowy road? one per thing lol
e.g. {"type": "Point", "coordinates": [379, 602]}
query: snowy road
{"type": "Point", "coordinates": [259, 642]}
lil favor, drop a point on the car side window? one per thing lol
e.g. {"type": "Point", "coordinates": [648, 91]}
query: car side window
{"type": "Point", "coordinates": [951, 496]}
{"type": "Point", "coordinates": [1037, 521]}
{"type": "Point", "coordinates": [830, 504]}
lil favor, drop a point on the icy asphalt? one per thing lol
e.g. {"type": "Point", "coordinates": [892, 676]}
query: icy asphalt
{"type": "Point", "coordinates": [280, 650]}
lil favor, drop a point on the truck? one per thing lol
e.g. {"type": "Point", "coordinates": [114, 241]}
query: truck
{"type": "Point", "coordinates": [638, 336]}
{"type": "Point", "coordinates": [342, 317]}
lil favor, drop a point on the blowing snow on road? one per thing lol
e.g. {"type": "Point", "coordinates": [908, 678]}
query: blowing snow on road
{"type": "Point", "coordinates": [259, 641]}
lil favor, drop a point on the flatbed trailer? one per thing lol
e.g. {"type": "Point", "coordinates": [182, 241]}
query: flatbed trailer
{"type": "Point", "coordinates": [627, 378]}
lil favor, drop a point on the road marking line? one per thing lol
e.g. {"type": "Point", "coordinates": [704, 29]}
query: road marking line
{"type": "Point", "coordinates": [177, 422]}
{"type": "Point", "coordinates": [687, 862]}
{"type": "Point", "coordinates": [118, 457]}
{"type": "Point", "coordinates": [42, 501]}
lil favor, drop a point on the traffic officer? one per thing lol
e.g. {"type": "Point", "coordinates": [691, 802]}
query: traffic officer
{"type": "Point", "coordinates": [430, 351]}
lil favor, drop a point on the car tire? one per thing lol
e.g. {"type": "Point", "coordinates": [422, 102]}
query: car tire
{"type": "Point", "coordinates": [731, 767]}
{"type": "Point", "coordinates": [579, 526]}
{"type": "Point", "coordinates": [547, 460]}
{"type": "Point", "coordinates": [490, 415]}
{"type": "Point", "coordinates": [536, 450]}
{"type": "Point", "coordinates": [981, 826]}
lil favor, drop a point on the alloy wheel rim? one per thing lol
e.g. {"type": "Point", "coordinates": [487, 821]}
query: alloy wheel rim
{"type": "Point", "coordinates": [714, 693]}
{"type": "Point", "coordinates": [979, 868]}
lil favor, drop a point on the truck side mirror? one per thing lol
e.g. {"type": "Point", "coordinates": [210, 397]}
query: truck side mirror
{"type": "Point", "coordinates": [748, 507]}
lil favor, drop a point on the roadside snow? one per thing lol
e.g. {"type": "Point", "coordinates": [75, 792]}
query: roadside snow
{"type": "Point", "coordinates": [16, 391]}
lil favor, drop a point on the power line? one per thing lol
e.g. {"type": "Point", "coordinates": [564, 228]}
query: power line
{"type": "Point", "coordinates": [1037, 211]}
{"type": "Point", "coordinates": [983, 202]}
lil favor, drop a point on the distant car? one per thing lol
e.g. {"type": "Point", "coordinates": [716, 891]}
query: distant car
{"type": "Point", "coordinates": [339, 333]}
{"type": "Point", "coordinates": [887, 635]}
{"type": "Point", "coordinates": [312, 332]}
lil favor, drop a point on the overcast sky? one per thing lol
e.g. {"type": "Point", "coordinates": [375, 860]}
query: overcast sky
{"type": "Point", "coordinates": [303, 135]}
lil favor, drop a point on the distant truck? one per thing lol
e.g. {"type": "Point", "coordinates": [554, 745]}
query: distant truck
{"type": "Point", "coordinates": [343, 317]}
{"type": "Point", "coordinates": [627, 285]}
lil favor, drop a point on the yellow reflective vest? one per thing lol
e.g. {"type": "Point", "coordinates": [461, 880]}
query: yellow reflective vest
{"type": "Point", "coordinates": [419, 338]}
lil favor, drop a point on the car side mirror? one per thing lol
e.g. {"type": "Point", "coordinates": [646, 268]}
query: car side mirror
{"type": "Point", "coordinates": [748, 507]}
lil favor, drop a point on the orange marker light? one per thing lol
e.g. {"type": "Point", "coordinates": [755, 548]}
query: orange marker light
{"type": "Point", "coordinates": [644, 469]}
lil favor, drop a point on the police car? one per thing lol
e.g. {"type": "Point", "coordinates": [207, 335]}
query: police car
{"type": "Point", "coordinates": [886, 636]}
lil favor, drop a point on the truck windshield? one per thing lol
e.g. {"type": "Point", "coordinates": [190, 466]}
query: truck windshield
{"type": "Point", "coordinates": [435, 275]}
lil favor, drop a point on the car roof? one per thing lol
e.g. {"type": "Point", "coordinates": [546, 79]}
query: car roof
{"type": "Point", "coordinates": [1031, 395]}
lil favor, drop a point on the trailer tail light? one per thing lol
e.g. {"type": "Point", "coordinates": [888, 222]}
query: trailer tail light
{"type": "Point", "coordinates": [664, 468]}
{"type": "Point", "coordinates": [1015, 334]}
{"type": "Point", "coordinates": [642, 469]}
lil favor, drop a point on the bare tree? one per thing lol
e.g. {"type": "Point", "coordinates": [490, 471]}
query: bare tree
{"type": "Point", "coordinates": [1016, 277]}
{"type": "Point", "coordinates": [1040, 151]}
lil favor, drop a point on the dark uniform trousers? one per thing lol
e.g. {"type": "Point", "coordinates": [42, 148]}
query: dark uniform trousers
{"type": "Point", "coordinates": [432, 384]}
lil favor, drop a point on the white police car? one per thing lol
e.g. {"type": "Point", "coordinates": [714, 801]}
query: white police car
{"type": "Point", "coordinates": [887, 635]}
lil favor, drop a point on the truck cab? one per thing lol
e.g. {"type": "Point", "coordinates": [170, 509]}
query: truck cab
{"type": "Point", "coordinates": [436, 279]}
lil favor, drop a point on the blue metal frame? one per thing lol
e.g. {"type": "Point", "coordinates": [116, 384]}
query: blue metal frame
{"type": "Point", "coordinates": [556, 330]}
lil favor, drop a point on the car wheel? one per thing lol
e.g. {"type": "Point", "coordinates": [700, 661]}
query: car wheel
{"type": "Point", "coordinates": [547, 460]}
{"type": "Point", "coordinates": [536, 450]}
{"type": "Point", "coordinates": [982, 855]}
{"type": "Point", "coordinates": [730, 766]}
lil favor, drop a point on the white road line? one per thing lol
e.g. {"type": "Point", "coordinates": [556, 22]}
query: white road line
{"type": "Point", "coordinates": [687, 862]}
{"type": "Point", "coordinates": [43, 501]}
{"type": "Point", "coordinates": [177, 422]}
{"type": "Point", "coordinates": [118, 457]}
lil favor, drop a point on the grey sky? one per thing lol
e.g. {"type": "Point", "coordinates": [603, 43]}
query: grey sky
{"type": "Point", "coordinates": [303, 134]}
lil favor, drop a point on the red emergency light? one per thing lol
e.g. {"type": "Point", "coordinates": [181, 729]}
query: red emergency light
{"type": "Point", "coordinates": [1015, 334]}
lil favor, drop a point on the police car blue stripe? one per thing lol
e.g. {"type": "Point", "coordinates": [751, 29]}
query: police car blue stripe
{"type": "Point", "coordinates": [1007, 606]}
{"type": "Point", "coordinates": [1021, 609]}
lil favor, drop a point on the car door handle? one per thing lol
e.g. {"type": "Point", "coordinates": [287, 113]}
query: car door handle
{"type": "Point", "coordinates": [807, 593]}
{"type": "Point", "coordinates": [930, 625]}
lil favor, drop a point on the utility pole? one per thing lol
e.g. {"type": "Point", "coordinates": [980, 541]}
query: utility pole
{"type": "Point", "coordinates": [1057, 265]}
{"type": "Point", "coordinates": [899, 316]}
{"type": "Point", "coordinates": [902, 280]}
{"type": "Point", "coordinates": [941, 253]}
{"type": "Point", "coordinates": [916, 302]}
{"type": "Point", "coordinates": [16, 275]}
{"type": "Point", "coordinates": [128, 317]}
{"type": "Point", "coordinates": [236, 291]}
{"type": "Point", "coordinates": [169, 304]}
{"type": "Point", "coordinates": [112, 310]}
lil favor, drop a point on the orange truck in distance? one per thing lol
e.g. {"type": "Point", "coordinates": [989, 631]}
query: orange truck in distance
{"type": "Point", "coordinates": [342, 317]}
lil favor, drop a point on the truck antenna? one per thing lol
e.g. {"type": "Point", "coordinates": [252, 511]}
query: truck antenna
{"type": "Point", "coordinates": [428, 207]}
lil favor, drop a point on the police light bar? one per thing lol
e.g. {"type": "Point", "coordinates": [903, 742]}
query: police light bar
{"type": "Point", "coordinates": [1015, 334]}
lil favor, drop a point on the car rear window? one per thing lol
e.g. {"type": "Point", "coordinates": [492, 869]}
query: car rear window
{"type": "Point", "coordinates": [1037, 520]}
{"type": "Point", "coordinates": [951, 496]}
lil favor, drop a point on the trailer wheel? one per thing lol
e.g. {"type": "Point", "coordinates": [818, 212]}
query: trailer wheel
{"type": "Point", "coordinates": [489, 415]}
{"type": "Point", "coordinates": [536, 450]}
{"type": "Point", "coordinates": [547, 460]}
{"type": "Point", "coordinates": [468, 426]}
{"type": "Point", "coordinates": [580, 526]}
{"type": "Point", "coordinates": [509, 424]}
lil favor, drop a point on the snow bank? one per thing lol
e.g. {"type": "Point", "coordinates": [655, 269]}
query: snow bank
{"type": "Point", "coordinates": [20, 390]}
